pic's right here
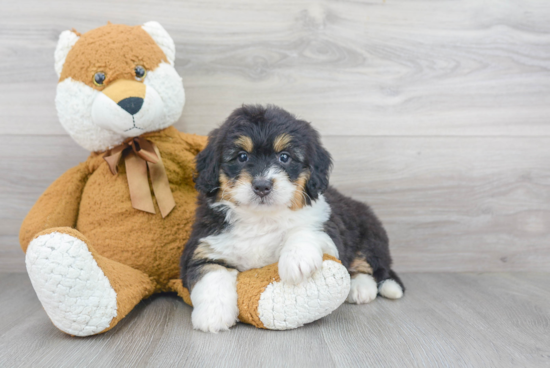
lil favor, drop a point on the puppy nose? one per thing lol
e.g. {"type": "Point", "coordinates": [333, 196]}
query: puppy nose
{"type": "Point", "coordinates": [131, 104]}
{"type": "Point", "coordinates": [262, 187]}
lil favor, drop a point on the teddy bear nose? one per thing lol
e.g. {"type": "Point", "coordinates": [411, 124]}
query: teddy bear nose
{"type": "Point", "coordinates": [131, 104]}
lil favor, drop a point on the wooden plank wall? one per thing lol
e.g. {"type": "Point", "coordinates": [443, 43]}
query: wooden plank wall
{"type": "Point", "coordinates": [436, 112]}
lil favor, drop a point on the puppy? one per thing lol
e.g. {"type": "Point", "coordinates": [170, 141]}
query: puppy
{"type": "Point", "coordinates": [264, 198]}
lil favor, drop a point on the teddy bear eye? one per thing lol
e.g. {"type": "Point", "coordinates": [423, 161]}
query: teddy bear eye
{"type": "Point", "coordinates": [99, 78]}
{"type": "Point", "coordinates": [140, 72]}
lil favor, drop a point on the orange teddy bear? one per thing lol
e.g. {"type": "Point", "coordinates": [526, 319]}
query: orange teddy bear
{"type": "Point", "coordinates": [110, 231]}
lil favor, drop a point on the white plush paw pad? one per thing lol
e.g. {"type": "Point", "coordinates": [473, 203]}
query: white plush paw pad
{"type": "Point", "coordinates": [390, 289]}
{"type": "Point", "coordinates": [363, 289]}
{"type": "Point", "coordinates": [74, 291]}
{"type": "Point", "coordinates": [284, 306]}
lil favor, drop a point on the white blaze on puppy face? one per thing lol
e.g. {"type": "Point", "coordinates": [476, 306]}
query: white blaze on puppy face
{"type": "Point", "coordinates": [281, 194]}
{"type": "Point", "coordinates": [98, 118]}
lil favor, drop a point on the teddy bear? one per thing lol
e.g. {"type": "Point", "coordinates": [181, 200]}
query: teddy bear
{"type": "Point", "coordinates": [110, 231]}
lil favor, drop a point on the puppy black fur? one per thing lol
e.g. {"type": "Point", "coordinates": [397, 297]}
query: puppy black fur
{"type": "Point", "coordinates": [360, 238]}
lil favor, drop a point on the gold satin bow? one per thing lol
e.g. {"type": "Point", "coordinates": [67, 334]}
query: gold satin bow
{"type": "Point", "coordinates": [139, 153]}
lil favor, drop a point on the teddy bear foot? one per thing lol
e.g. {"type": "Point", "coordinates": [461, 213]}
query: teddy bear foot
{"type": "Point", "coordinates": [284, 306]}
{"type": "Point", "coordinates": [72, 288]}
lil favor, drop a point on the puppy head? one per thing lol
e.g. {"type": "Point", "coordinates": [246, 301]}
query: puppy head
{"type": "Point", "coordinates": [115, 82]}
{"type": "Point", "coordinates": [265, 159]}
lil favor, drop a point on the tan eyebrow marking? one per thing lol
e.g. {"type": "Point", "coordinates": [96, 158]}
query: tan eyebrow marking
{"type": "Point", "coordinates": [281, 142]}
{"type": "Point", "coordinates": [245, 143]}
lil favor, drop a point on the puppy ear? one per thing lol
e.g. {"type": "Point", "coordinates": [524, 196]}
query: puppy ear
{"type": "Point", "coordinates": [320, 166]}
{"type": "Point", "coordinates": [162, 38]}
{"type": "Point", "coordinates": [207, 176]}
{"type": "Point", "coordinates": [66, 41]}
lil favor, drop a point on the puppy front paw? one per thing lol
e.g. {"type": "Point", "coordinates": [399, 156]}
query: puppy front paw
{"type": "Point", "coordinates": [214, 317]}
{"type": "Point", "coordinates": [214, 300]}
{"type": "Point", "coordinates": [298, 264]}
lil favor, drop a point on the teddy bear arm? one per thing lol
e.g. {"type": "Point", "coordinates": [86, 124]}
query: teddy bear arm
{"type": "Point", "coordinates": [57, 206]}
{"type": "Point", "coordinates": [266, 302]}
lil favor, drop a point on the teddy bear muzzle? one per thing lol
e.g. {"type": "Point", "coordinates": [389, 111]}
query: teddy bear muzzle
{"type": "Point", "coordinates": [128, 107]}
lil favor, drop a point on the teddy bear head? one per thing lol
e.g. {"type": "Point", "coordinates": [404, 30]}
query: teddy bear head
{"type": "Point", "coordinates": [116, 82]}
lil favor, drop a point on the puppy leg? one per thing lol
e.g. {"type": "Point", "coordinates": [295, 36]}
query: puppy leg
{"type": "Point", "coordinates": [302, 255]}
{"type": "Point", "coordinates": [366, 284]}
{"type": "Point", "coordinates": [214, 298]}
{"type": "Point", "coordinates": [389, 284]}
{"type": "Point", "coordinates": [362, 289]}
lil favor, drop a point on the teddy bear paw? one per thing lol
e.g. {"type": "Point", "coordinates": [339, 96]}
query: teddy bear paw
{"type": "Point", "coordinates": [284, 306]}
{"type": "Point", "coordinates": [74, 291]}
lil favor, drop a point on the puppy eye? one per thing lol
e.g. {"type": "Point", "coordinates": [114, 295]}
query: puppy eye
{"type": "Point", "coordinates": [140, 72]}
{"type": "Point", "coordinates": [242, 157]}
{"type": "Point", "coordinates": [99, 78]}
{"type": "Point", "coordinates": [284, 157]}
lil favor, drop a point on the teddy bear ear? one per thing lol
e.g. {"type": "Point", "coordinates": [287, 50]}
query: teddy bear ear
{"type": "Point", "coordinates": [162, 38]}
{"type": "Point", "coordinates": [67, 39]}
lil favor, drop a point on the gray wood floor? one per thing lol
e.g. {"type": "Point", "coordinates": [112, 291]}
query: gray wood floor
{"type": "Point", "coordinates": [451, 320]}
{"type": "Point", "coordinates": [436, 112]}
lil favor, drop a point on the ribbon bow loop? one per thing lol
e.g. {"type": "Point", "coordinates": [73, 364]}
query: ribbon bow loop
{"type": "Point", "coordinates": [139, 155]}
{"type": "Point", "coordinates": [144, 149]}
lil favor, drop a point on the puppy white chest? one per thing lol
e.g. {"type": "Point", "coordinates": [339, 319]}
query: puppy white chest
{"type": "Point", "coordinates": [255, 239]}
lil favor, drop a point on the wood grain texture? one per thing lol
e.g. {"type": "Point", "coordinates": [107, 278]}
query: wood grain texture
{"type": "Point", "coordinates": [449, 204]}
{"type": "Point", "coordinates": [435, 111]}
{"type": "Point", "coordinates": [451, 320]}
{"type": "Point", "coordinates": [395, 67]}
{"type": "Point", "coordinates": [453, 204]}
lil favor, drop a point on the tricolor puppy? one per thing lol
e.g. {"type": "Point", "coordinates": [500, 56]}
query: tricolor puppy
{"type": "Point", "coordinates": [264, 198]}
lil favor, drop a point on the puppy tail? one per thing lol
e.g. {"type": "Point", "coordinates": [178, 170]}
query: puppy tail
{"type": "Point", "coordinates": [391, 287]}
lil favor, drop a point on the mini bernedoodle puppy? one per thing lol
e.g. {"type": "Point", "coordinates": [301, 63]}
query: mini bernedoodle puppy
{"type": "Point", "coordinates": [264, 197]}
